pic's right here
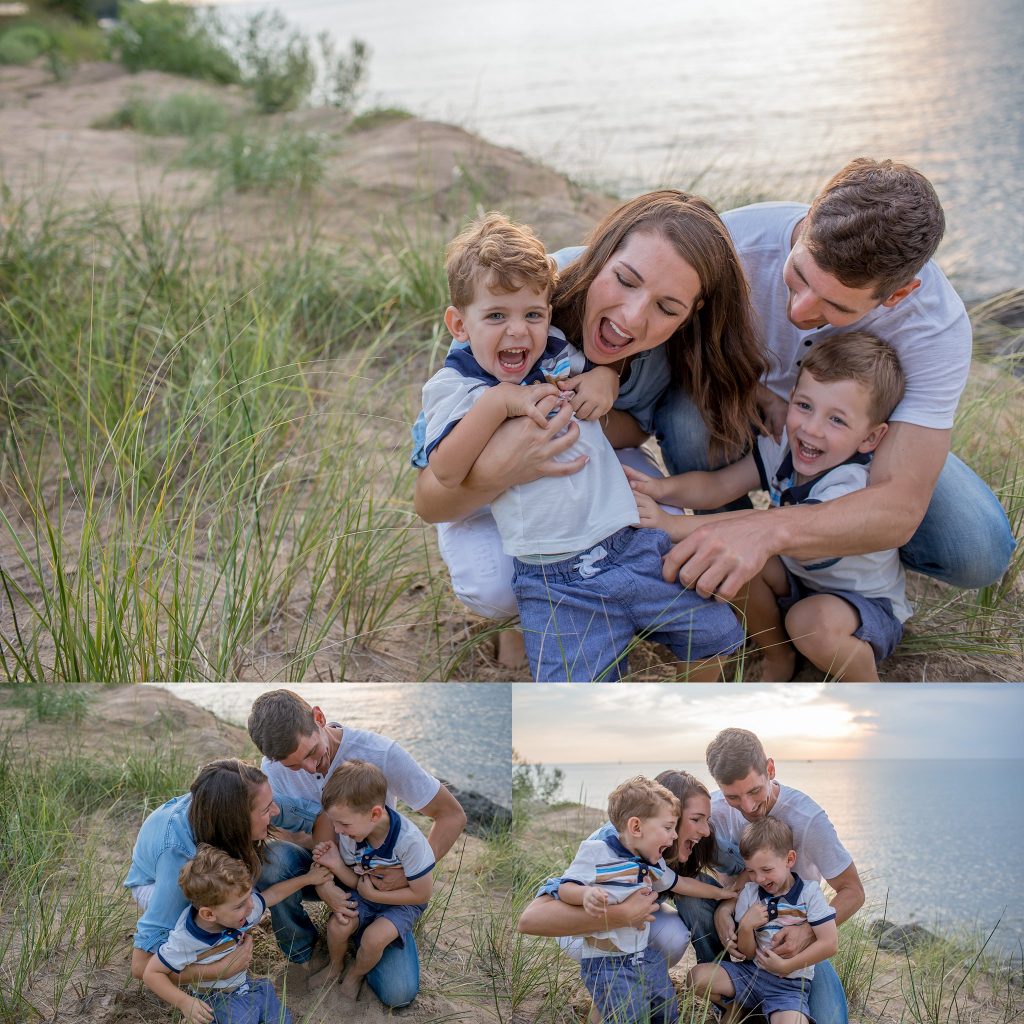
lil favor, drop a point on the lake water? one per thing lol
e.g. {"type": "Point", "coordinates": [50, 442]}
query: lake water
{"type": "Point", "coordinates": [459, 731]}
{"type": "Point", "coordinates": [738, 97]}
{"type": "Point", "coordinates": [941, 839]}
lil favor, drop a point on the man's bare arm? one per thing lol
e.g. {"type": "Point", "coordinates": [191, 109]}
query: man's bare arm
{"type": "Point", "coordinates": [449, 821]}
{"type": "Point", "coordinates": [518, 452]}
{"type": "Point", "coordinates": [720, 557]}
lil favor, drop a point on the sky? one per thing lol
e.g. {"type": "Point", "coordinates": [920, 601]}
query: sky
{"type": "Point", "coordinates": [806, 721]}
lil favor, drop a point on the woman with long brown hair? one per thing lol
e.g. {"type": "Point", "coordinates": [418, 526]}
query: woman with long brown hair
{"type": "Point", "coordinates": [658, 296]}
{"type": "Point", "coordinates": [230, 806]}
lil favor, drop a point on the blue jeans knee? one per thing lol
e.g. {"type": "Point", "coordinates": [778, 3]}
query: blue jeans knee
{"type": "Point", "coordinates": [395, 979]}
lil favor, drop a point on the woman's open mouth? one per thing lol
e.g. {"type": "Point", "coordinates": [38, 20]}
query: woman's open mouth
{"type": "Point", "coordinates": [610, 338]}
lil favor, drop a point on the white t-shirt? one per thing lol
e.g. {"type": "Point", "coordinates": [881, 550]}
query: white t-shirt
{"type": "Point", "coordinates": [929, 329]}
{"type": "Point", "coordinates": [819, 853]}
{"type": "Point", "coordinates": [406, 779]}
{"type": "Point", "coordinates": [188, 943]}
{"type": "Point", "coordinates": [552, 515]}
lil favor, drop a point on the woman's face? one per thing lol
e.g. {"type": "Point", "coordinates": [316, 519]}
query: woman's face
{"type": "Point", "coordinates": [262, 809]}
{"type": "Point", "coordinates": [693, 825]}
{"type": "Point", "coordinates": [640, 297]}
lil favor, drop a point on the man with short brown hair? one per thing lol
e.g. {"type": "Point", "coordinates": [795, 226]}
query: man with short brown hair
{"type": "Point", "coordinates": [859, 257]}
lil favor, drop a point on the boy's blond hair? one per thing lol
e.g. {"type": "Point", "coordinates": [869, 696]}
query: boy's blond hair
{"type": "Point", "coordinates": [639, 798]}
{"type": "Point", "coordinates": [864, 358]}
{"type": "Point", "coordinates": [212, 877]}
{"type": "Point", "coordinates": [766, 834]}
{"type": "Point", "coordinates": [357, 785]}
{"type": "Point", "coordinates": [510, 255]}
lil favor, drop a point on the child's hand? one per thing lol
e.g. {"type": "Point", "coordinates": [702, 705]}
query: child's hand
{"type": "Point", "coordinates": [239, 958]}
{"type": "Point", "coordinates": [652, 515]}
{"type": "Point", "coordinates": [366, 888]}
{"type": "Point", "coordinates": [195, 1010]}
{"type": "Point", "coordinates": [595, 900]}
{"type": "Point", "coordinates": [594, 392]}
{"type": "Point", "coordinates": [523, 401]}
{"type": "Point", "coordinates": [769, 960]}
{"type": "Point", "coordinates": [328, 855]}
{"type": "Point", "coordinates": [319, 875]}
{"type": "Point", "coordinates": [653, 486]}
{"type": "Point", "coordinates": [755, 916]}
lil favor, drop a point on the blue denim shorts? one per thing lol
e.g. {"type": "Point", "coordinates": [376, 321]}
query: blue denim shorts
{"type": "Point", "coordinates": [879, 627]}
{"type": "Point", "coordinates": [402, 916]}
{"type": "Point", "coordinates": [631, 989]}
{"type": "Point", "coordinates": [760, 989]}
{"type": "Point", "coordinates": [580, 615]}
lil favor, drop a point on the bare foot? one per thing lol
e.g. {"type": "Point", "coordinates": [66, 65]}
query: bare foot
{"type": "Point", "coordinates": [778, 663]}
{"type": "Point", "coordinates": [511, 648]}
{"type": "Point", "coordinates": [350, 986]}
{"type": "Point", "coordinates": [328, 976]}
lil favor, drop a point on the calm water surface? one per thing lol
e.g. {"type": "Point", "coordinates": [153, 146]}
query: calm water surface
{"type": "Point", "coordinates": [738, 98]}
{"type": "Point", "coordinates": [461, 732]}
{"type": "Point", "coordinates": [942, 839]}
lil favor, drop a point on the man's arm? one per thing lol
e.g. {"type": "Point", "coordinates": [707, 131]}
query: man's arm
{"type": "Point", "coordinates": [449, 821]}
{"type": "Point", "coordinates": [518, 452]}
{"type": "Point", "coordinates": [720, 557]}
{"type": "Point", "coordinates": [848, 899]}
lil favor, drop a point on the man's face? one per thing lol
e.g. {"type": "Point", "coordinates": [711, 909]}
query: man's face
{"type": "Point", "coordinates": [816, 298]}
{"type": "Point", "coordinates": [312, 754]}
{"type": "Point", "coordinates": [751, 795]}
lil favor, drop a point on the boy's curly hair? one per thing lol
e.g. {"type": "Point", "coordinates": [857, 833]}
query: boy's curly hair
{"type": "Point", "coordinates": [212, 877]}
{"type": "Point", "coordinates": [509, 254]}
{"type": "Point", "coordinates": [639, 797]}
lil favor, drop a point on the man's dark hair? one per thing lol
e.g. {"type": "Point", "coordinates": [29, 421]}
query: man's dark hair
{"type": "Point", "coordinates": [733, 753]}
{"type": "Point", "coordinates": [278, 721]}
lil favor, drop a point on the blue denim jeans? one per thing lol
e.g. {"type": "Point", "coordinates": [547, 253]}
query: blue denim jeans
{"type": "Point", "coordinates": [579, 616]}
{"type": "Point", "coordinates": [631, 989]}
{"type": "Point", "coordinates": [964, 539]}
{"type": "Point", "coordinates": [255, 1002]}
{"type": "Point", "coordinates": [826, 997]}
{"type": "Point", "coordinates": [395, 979]}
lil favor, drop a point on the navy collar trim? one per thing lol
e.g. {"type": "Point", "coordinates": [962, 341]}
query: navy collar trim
{"type": "Point", "coordinates": [615, 844]}
{"type": "Point", "coordinates": [799, 493]}
{"type": "Point", "coordinates": [207, 938]}
{"type": "Point", "coordinates": [387, 848]}
{"type": "Point", "coordinates": [790, 897]}
{"type": "Point", "coordinates": [464, 362]}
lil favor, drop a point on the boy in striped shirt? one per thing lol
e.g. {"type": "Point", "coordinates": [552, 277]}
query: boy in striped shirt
{"type": "Point", "coordinates": [369, 835]}
{"type": "Point", "coordinates": [776, 898]}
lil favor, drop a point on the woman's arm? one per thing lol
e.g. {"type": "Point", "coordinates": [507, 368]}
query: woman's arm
{"type": "Point", "coordinates": [702, 890]}
{"type": "Point", "coordinates": [519, 451]}
{"type": "Point", "coordinates": [622, 430]}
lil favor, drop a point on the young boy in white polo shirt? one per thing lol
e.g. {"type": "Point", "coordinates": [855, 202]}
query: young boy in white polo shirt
{"type": "Point", "coordinates": [843, 614]}
{"type": "Point", "coordinates": [224, 907]}
{"type": "Point", "coordinates": [370, 835]}
{"type": "Point", "coordinates": [774, 899]}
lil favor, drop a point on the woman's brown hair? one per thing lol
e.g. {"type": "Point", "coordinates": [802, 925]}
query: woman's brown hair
{"type": "Point", "coordinates": [716, 356]}
{"type": "Point", "coordinates": [221, 809]}
{"type": "Point", "coordinates": [684, 785]}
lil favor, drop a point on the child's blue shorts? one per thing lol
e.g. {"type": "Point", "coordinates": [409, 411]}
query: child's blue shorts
{"type": "Point", "coordinates": [255, 1002]}
{"type": "Point", "coordinates": [403, 916]}
{"type": "Point", "coordinates": [580, 615]}
{"type": "Point", "coordinates": [758, 989]}
{"type": "Point", "coordinates": [879, 627]}
{"type": "Point", "coordinates": [631, 989]}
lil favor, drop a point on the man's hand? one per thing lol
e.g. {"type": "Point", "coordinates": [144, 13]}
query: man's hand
{"type": "Point", "coordinates": [773, 410]}
{"type": "Point", "coordinates": [770, 961]}
{"type": "Point", "coordinates": [388, 878]}
{"type": "Point", "coordinates": [792, 939]}
{"type": "Point", "coordinates": [528, 401]}
{"type": "Point", "coordinates": [595, 900]}
{"type": "Point", "coordinates": [717, 559]}
{"type": "Point", "coordinates": [594, 392]}
{"type": "Point", "coordinates": [195, 1010]}
{"type": "Point", "coordinates": [328, 855]}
